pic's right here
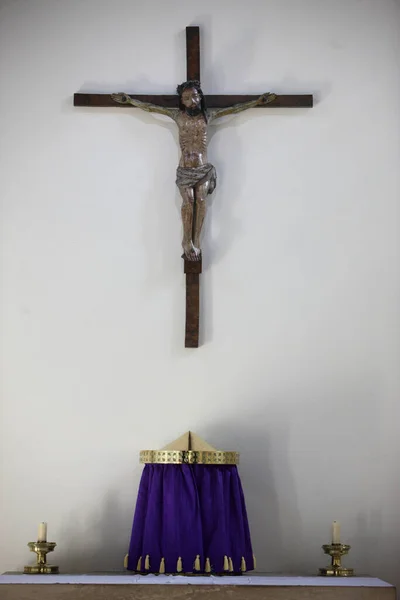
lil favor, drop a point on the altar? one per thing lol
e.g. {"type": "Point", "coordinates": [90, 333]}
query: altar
{"type": "Point", "coordinates": [116, 586]}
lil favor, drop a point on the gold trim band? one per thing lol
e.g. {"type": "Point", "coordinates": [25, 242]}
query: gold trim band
{"type": "Point", "coordinates": [188, 457]}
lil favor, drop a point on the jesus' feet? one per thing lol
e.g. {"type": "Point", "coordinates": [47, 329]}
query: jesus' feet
{"type": "Point", "coordinates": [191, 252]}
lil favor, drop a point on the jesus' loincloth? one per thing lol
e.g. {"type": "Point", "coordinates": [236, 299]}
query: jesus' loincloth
{"type": "Point", "coordinates": [194, 176]}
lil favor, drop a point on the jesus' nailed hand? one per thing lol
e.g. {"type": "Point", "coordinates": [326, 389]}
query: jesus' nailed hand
{"type": "Point", "coordinates": [195, 176]}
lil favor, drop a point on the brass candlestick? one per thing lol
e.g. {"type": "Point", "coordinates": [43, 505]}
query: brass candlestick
{"type": "Point", "coordinates": [41, 567]}
{"type": "Point", "coordinates": [336, 551]}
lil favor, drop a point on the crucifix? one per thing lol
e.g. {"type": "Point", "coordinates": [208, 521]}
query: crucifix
{"type": "Point", "coordinates": [196, 177]}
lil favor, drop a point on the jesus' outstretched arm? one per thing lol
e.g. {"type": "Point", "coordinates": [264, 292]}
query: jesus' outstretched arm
{"type": "Point", "coordinates": [237, 108]}
{"type": "Point", "coordinates": [122, 98]}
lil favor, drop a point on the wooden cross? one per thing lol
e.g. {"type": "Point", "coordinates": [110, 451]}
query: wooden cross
{"type": "Point", "coordinates": [192, 269]}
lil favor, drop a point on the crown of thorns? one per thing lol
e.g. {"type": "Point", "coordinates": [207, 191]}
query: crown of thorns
{"type": "Point", "coordinates": [192, 83]}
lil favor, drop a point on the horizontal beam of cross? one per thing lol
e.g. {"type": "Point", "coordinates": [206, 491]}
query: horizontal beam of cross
{"type": "Point", "coordinates": [213, 101]}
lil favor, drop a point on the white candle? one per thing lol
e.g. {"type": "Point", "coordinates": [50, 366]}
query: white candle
{"type": "Point", "coordinates": [335, 532]}
{"type": "Point", "coordinates": [42, 534]}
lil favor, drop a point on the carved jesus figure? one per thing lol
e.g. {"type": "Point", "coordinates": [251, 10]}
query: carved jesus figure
{"type": "Point", "coordinates": [195, 176]}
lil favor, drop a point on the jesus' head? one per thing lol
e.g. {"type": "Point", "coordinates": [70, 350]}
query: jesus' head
{"type": "Point", "coordinates": [191, 98]}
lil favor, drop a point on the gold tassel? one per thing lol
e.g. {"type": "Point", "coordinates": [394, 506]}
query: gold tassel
{"type": "Point", "coordinates": [197, 566]}
{"type": "Point", "coordinates": [126, 561]}
{"type": "Point", "coordinates": [226, 564]}
{"type": "Point", "coordinates": [243, 565]}
{"type": "Point", "coordinates": [162, 566]}
{"type": "Point", "coordinates": [179, 565]}
{"type": "Point", "coordinates": [139, 564]}
{"type": "Point", "coordinates": [230, 565]}
{"type": "Point", "coordinates": [147, 563]}
{"type": "Point", "coordinates": [208, 566]}
{"type": "Point", "coordinates": [254, 562]}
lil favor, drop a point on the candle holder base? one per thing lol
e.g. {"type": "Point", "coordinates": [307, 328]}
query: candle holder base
{"type": "Point", "coordinates": [41, 567]}
{"type": "Point", "coordinates": [338, 572]}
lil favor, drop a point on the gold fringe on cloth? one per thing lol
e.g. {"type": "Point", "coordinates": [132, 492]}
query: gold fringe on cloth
{"type": "Point", "coordinates": [228, 564]}
{"type": "Point", "coordinates": [254, 562]}
{"type": "Point", "coordinates": [126, 561]}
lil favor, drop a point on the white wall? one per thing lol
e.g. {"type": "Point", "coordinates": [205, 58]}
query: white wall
{"type": "Point", "coordinates": [299, 367]}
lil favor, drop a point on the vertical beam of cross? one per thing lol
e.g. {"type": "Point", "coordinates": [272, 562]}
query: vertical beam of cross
{"type": "Point", "coordinates": [192, 269]}
{"type": "Point", "coordinates": [193, 53]}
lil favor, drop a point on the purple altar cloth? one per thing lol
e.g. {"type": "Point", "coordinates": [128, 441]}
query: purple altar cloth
{"type": "Point", "coordinates": [187, 512]}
